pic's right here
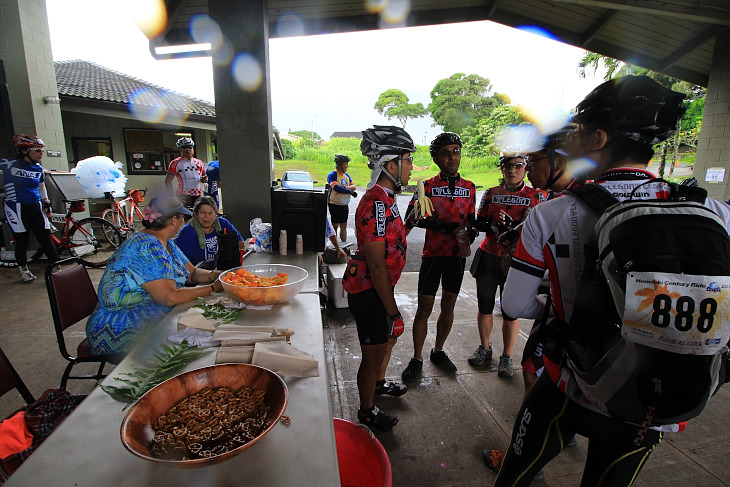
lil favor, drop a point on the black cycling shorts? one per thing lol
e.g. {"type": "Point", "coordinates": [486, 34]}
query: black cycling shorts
{"type": "Point", "coordinates": [446, 270]}
{"type": "Point", "coordinates": [546, 422]}
{"type": "Point", "coordinates": [338, 213]}
{"type": "Point", "coordinates": [489, 276]}
{"type": "Point", "coordinates": [370, 317]}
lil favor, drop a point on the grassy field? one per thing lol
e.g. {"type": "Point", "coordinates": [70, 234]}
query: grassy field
{"type": "Point", "coordinates": [319, 162]}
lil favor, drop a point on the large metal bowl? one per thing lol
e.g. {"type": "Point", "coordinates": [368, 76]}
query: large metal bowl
{"type": "Point", "coordinates": [266, 295]}
{"type": "Point", "coordinates": [137, 428]}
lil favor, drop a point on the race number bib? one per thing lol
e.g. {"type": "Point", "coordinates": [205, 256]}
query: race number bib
{"type": "Point", "coordinates": [678, 313]}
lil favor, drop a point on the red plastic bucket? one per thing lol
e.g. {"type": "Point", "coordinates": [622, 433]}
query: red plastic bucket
{"type": "Point", "coordinates": [362, 459]}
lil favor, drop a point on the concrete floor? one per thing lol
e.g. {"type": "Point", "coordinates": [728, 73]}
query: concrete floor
{"type": "Point", "coordinates": [445, 420]}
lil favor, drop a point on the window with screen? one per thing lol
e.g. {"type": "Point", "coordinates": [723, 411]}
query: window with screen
{"type": "Point", "coordinates": [150, 151]}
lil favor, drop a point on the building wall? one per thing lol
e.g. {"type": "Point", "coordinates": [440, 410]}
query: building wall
{"type": "Point", "coordinates": [713, 147]}
{"type": "Point", "coordinates": [25, 48]}
{"type": "Point", "coordinates": [78, 124]}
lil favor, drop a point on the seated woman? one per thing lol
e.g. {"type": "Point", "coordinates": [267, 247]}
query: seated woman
{"type": "Point", "coordinates": [198, 240]}
{"type": "Point", "coordinates": [144, 279]}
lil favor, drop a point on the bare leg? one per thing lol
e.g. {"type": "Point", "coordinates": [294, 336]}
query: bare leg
{"type": "Point", "coordinates": [420, 323]}
{"type": "Point", "coordinates": [485, 323]}
{"type": "Point", "coordinates": [367, 374]}
{"type": "Point", "coordinates": [445, 319]}
{"type": "Point", "coordinates": [510, 331]}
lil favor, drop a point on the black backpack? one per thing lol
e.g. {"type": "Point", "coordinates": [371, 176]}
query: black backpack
{"type": "Point", "coordinates": [649, 331]}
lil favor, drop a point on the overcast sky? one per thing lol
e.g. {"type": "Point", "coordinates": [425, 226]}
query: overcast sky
{"type": "Point", "coordinates": [330, 83]}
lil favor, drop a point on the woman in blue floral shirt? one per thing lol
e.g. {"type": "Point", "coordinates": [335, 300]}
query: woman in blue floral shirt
{"type": "Point", "coordinates": [144, 279]}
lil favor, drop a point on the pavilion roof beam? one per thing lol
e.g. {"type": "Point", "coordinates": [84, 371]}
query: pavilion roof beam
{"type": "Point", "coordinates": [719, 13]}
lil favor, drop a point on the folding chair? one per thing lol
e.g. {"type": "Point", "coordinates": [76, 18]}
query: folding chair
{"type": "Point", "coordinates": [9, 380]}
{"type": "Point", "coordinates": [73, 297]}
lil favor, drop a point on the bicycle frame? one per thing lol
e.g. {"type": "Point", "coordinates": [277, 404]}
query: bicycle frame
{"type": "Point", "coordinates": [125, 220]}
{"type": "Point", "coordinates": [68, 223]}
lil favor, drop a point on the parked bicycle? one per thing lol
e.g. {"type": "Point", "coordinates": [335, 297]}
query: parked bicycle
{"type": "Point", "coordinates": [128, 219]}
{"type": "Point", "coordinates": [91, 240]}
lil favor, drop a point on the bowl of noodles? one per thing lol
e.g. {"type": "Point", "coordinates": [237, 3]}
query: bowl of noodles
{"type": "Point", "coordinates": [205, 416]}
{"type": "Point", "coordinates": [263, 284]}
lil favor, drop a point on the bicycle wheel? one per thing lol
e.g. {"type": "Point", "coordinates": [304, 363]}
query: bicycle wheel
{"type": "Point", "coordinates": [112, 216]}
{"type": "Point", "coordinates": [137, 218]}
{"type": "Point", "coordinates": [93, 240]}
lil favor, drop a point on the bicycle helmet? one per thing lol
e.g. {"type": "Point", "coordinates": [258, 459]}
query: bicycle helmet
{"type": "Point", "coordinates": [510, 153]}
{"type": "Point", "coordinates": [185, 143]}
{"type": "Point", "coordinates": [635, 107]}
{"type": "Point", "coordinates": [443, 139]}
{"type": "Point", "coordinates": [341, 159]}
{"type": "Point", "coordinates": [555, 144]}
{"type": "Point", "coordinates": [382, 144]}
{"type": "Point", "coordinates": [23, 141]}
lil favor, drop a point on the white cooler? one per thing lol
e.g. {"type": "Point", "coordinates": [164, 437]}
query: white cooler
{"type": "Point", "coordinates": [337, 294]}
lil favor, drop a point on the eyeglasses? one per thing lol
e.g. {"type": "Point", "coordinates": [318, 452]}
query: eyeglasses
{"type": "Point", "coordinates": [447, 153]}
{"type": "Point", "coordinates": [407, 159]}
{"type": "Point", "coordinates": [40, 151]}
{"type": "Point", "coordinates": [514, 165]}
{"type": "Point", "coordinates": [531, 161]}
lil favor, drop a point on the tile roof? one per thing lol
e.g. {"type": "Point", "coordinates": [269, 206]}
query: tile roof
{"type": "Point", "coordinates": [89, 80]}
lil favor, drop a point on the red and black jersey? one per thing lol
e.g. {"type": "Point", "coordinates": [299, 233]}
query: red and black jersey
{"type": "Point", "coordinates": [450, 206]}
{"type": "Point", "coordinates": [497, 200]}
{"type": "Point", "coordinates": [377, 219]}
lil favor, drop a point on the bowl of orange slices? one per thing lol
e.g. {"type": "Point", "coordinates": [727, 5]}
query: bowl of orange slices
{"type": "Point", "coordinates": [263, 284]}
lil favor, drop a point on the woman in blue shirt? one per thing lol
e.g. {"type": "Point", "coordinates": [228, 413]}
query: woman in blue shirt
{"type": "Point", "coordinates": [198, 239]}
{"type": "Point", "coordinates": [144, 279]}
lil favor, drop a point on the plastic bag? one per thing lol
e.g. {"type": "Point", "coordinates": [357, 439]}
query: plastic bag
{"type": "Point", "coordinates": [261, 232]}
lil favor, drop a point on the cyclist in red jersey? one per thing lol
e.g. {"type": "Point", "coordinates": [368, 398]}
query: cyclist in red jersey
{"type": "Point", "coordinates": [502, 208]}
{"type": "Point", "coordinates": [454, 201]}
{"type": "Point", "coordinates": [373, 271]}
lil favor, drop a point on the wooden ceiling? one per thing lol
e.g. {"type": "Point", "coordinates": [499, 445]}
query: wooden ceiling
{"type": "Point", "coordinates": [675, 37]}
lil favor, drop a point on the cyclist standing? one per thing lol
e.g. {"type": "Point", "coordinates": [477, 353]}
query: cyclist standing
{"type": "Point", "coordinates": [374, 270]}
{"type": "Point", "coordinates": [617, 124]}
{"type": "Point", "coordinates": [213, 172]}
{"type": "Point", "coordinates": [454, 201]}
{"type": "Point", "coordinates": [26, 201]}
{"type": "Point", "coordinates": [189, 171]}
{"type": "Point", "coordinates": [502, 208]}
{"type": "Point", "coordinates": [341, 188]}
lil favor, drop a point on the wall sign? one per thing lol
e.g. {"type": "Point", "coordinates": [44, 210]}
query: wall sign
{"type": "Point", "coordinates": [53, 153]}
{"type": "Point", "coordinates": [715, 174]}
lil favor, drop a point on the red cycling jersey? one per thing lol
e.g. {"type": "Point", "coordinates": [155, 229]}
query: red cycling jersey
{"type": "Point", "coordinates": [377, 219]}
{"type": "Point", "coordinates": [497, 200]}
{"type": "Point", "coordinates": [448, 208]}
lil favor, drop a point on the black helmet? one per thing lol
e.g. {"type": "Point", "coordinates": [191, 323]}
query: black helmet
{"type": "Point", "coordinates": [383, 139]}
{"type": "Point", "coordinates": [185, 143]}
{"type": "Point", "coordinates": [556, 140]}
{"type": "Point", "coordinates": [443, 139]}
{"type": "Point", "coordinates": [637, 107]}
{"type": "Point", "coordinates": [341, 158]}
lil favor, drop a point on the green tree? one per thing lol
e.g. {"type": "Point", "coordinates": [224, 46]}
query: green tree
{"type": "Point", "coordinates": [394, 104]}
{"type": "Point", "coordinates": [460, 101]}
{"type": "Point", "coordinates": [288, 148]}
{"type": "Point", "coordinates": [688, 127]}
{"type": "Point", "coordinates": [479, 139]}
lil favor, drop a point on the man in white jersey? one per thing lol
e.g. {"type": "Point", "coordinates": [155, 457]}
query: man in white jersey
{"type": "Point", "coordinates": [617, 124]}
{"type": "Point", "coordinates": [189, 172]}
